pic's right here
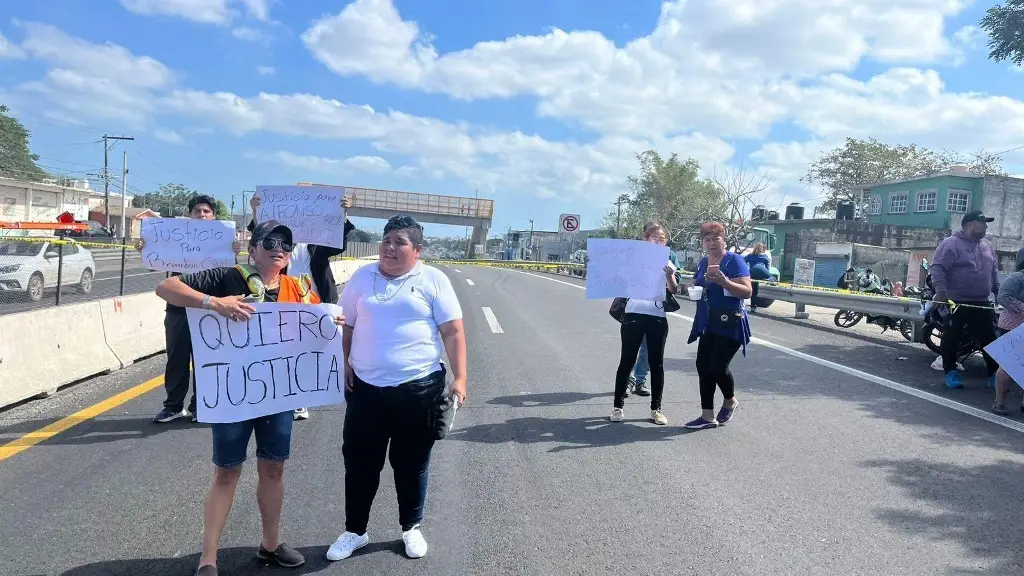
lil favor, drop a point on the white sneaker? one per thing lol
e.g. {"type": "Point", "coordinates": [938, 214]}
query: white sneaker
{"type": "Point", "coordinates": [415, 544]}
{"type": "Point", "coordinates": [616, 415]}
{"type": "Point", "coordinates": [301, 414]}
{"type": "Point", "coordinates": [658, 417]}
{"type": "Point", "coordinates": [346, 544]}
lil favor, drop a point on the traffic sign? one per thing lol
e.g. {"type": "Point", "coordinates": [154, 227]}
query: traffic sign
{"type": "Point", "coordinates": [569, 223]}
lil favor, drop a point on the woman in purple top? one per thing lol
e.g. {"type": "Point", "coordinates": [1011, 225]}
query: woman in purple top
{"type": "Point", "coordinates": [720, 323]}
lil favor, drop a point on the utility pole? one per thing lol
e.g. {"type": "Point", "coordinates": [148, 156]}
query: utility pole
{"type": "Point", "coordinates": [124, 192]}
{"type": "Point", "coordinates": [531, 238]}
{"type": "Point", "coordinates": [106, 176]}
{"type": "Point", "coordinates": [618, 213]}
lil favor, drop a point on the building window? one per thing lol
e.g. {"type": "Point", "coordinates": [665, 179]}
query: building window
{"type": "Point", "coordinates": [898, 203]}
{"type": "Point", "coordinates": [874, 205]}
{"type": "Point", "coordinates": [958, 201]}
{"type": "Point", "coordinates": [927, 200]}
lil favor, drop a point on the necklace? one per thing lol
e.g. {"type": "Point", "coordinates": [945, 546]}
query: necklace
{"type": "Point", "coordinates": [387, 282]}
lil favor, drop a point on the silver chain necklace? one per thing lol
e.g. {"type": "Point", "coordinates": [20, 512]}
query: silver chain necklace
{"type": "Point", "coordinates": [386, 282]}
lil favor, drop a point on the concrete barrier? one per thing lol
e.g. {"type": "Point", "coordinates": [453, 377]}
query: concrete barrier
{"type": "Point", "coordinates": [133, 326]}
{"type": "Point", "coordinates": [42, 350]}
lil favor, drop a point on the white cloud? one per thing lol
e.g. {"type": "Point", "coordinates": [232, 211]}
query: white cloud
{"type": "Point", "coordinates": [9, 50]}
{"type": "Point", "coordinates": [169, 136]}
{"type": "Point", "coordinates": [98, 80]}
{"type": "Point", "coordinates": [266, 70]}
{"type": "Point", "coordinates": [370, 164]}
{"type": "Point", "coordinates": [970, 37]}
{"type": "Point", "coordinates": [248, 34]}
{"type": "Point", "coordinates": [220, 12]}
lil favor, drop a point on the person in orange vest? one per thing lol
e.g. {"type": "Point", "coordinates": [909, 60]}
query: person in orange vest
{"type": "Point", "coordinates": [225, 291]}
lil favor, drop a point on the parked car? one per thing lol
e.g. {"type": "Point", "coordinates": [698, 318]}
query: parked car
{"type": "Point", "coordinates": [31, 267]}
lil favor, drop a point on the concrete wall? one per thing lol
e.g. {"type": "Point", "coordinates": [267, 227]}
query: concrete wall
{"type": "Point", "coordinates": [34, 202]}
{"type": "Point", "coordinates": [1003, 200]}
{"type": "Point", "coordinates": [42, 350]}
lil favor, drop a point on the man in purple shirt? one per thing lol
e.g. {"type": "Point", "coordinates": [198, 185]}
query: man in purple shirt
{"type": "Point", "coordinates": [965, 270]}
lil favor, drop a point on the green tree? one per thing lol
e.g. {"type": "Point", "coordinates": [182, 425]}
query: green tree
{"type": "Point", "coordinates": [669, 191]}
{"type": "Point", "coordinates": [842, 171]}
{"type": "Point", "coordinates": [1004, 25]}
{"type": "Point", "coordinates": [16, 160]}
{"type": "Point", "coordinates": [171, 200]}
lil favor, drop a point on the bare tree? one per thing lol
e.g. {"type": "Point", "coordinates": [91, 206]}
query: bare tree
{"type": "Point", "coordinates": [737, 194]}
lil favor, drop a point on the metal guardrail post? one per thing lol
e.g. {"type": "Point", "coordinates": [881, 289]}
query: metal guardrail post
{"type": "Point", "coordinates": [60, 272]}
{"type": "Point", "coordinates": [124, 250]}
{"type": "Point", "coordinates": [801, 312]}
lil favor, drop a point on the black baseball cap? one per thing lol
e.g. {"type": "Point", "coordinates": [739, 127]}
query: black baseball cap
{"type": "Point", "coordinates": [268, 227]}
{"type": "Point", "coordinates": [976, 216]}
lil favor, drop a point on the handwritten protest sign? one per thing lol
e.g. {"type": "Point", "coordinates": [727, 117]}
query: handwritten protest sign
{"type": "Point", "coordinates": [626, 268]}
{"type": "Point", "coordinates": [314, 213]}
{"type": "Point", "coordinates": [1008, 351]}
{"type": "Point", "coordinates": [286, 356]}
{"type": "Point", "coordinates": [187, 244]}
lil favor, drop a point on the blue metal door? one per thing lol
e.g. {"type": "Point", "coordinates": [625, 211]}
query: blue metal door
{"type": "Point", "coordinates": [828, 270]}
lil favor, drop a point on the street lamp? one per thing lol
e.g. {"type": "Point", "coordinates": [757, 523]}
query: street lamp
{"type": "Point", "coordinates": [531, 238]}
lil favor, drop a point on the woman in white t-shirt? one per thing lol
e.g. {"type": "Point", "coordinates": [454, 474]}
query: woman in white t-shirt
{"type": "Point", "coordinates": [401, 316]}
{"type": "Point", "coordinates": [645, 319]}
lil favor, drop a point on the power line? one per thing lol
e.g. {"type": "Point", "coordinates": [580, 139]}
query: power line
{"type": "Point", "coordinates": [106, 175]}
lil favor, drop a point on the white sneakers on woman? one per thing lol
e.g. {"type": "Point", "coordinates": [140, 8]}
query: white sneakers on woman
{"type": "Point", "coordinates": [349, 542]}
{"type": "Point", "coordinates": [657, 416]}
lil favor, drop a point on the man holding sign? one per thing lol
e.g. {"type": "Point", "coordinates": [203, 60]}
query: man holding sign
{"type": "Point", "coordinates": [225, 291]}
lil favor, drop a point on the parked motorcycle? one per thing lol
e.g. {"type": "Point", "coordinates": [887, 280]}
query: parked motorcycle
{"type": "Point", "coordinates": [850, 318]}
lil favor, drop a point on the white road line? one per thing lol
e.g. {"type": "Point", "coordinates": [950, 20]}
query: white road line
{"type": "Point", "coordinates": [909, 390]}
{"type": "Point", "coordinates": [128, 276]}
{"type": "Point", "coordinates": [457, 270]}
{"type": "Point", "coordinates": [492, 321]}
{"type": "Point", "coordinates": [470, 282]}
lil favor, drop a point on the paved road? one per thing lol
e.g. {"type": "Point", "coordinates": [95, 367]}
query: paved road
{"type": "Point", "coordinates": [822, 472]}
{"type": "Point", "coordinates": [106, 284]}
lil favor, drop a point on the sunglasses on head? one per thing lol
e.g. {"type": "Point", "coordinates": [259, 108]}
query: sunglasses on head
{"type": "Point", "coordinates": [272, 243]}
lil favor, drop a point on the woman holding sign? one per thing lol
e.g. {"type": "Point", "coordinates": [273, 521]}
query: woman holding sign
{"type": "Point", "coordinates": [225, 291]}
{"type": "Point", "coordinates": [721, 284]}
{"type": "Point", "coordinates": [645, 319]}
{"type": "Point", "coordinates": [400, 317]}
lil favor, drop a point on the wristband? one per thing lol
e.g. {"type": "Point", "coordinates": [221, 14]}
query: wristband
{"type": "Point", "coordinates": [206, 302]}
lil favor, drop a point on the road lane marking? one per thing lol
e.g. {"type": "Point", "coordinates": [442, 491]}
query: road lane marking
{"type": "Point", "coordinates": [457, 270]}
{"type": "Point", "coordinates": [470, 282]}
{"type": "Point", "coordinates": [892, 385]}
{"type": "Point", "coordinates": [492, 321]}
{"type": "Point", "coordinates": [49, 431]}
{"type": "Point", "coordinates": [128, 276]}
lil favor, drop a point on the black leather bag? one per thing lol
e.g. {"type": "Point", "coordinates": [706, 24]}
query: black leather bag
{"type": "Point", "coordinates": [671, 304]}
{"type": "Point", "coordinates": [618, 309]}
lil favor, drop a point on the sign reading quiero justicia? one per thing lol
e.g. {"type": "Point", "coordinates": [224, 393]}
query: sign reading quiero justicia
{"type": "Point", "coordinates": [187, 244]}
{"type": "Point", "coordinates": [285, 356]}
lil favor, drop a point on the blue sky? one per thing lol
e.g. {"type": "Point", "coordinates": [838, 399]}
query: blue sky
{"type": "Point", "coordinates": [541, 106]}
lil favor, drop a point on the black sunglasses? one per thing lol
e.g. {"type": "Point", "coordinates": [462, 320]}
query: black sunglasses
{"type": "Point", "coordinates": [271, 243]}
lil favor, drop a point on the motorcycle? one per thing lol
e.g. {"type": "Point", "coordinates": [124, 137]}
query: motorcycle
{"type": "Point", "coordinates": [934, 319]}
{"type": "Point", "coordinates": [850, 318]}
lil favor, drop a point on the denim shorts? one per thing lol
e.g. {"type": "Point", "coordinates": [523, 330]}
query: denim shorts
{"type": "Point", "coordinates": [273, 439]}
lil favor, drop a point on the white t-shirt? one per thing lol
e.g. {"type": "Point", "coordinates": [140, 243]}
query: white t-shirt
{"type": "Point", "coordinates": [649, 307]}
{"type": "Point", "coordinates": [299, 263]}
{"type": "Point", "coordinates": [396, 337]}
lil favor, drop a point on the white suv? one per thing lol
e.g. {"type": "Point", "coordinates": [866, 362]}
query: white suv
{"type": "Point", "coordinates": [31, 267]}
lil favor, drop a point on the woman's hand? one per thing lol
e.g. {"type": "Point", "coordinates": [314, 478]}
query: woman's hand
{"type": "Point", "coordinates": [669, 271]}
{"type": "Point", "coordinates": [236, 246]}
{"type": "Point", "coordinates": [346, 202]}
{"type": "Point", "coordinates": [232, 307]}
{"type": "Point", "coordinates": [339, 320]}
{"type": "Point", "coordinates": [140, 244]}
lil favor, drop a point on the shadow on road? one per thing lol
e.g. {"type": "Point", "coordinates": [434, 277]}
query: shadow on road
{"type": "Point", "coordinates": [238, 561]}
{"type": "Point", "coordinates": [571, 433]}
{"type": "Point", "coordinates": [976, 507]}
{"type": "Point", "coordinates": [548, 399]}
{"type": "Point", "coordinates": [110, 429]}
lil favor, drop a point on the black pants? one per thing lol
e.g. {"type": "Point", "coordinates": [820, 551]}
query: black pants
{"type": "Point", "coordinates": [633, 330]}
{"type": "Point", "coordinates": [977, 322]}
{"type": "Point", "coordinates": [399, 415]}
{"type": "Point", "coordinates": [177, 375]}
{"type": "Point", "coordinates": [714, 353]}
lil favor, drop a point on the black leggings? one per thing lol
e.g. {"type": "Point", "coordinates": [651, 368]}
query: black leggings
{"type": "Point", "coordinates": [714, 353]}
{"type": "Point", "coordinates": [634, 328]}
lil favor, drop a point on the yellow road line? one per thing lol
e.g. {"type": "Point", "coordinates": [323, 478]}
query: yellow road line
{"type": "Point", "coordinates": [49, 431]}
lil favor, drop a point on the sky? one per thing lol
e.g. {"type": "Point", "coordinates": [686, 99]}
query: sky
{"type": "Point", "coordinates": [541, 106]}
